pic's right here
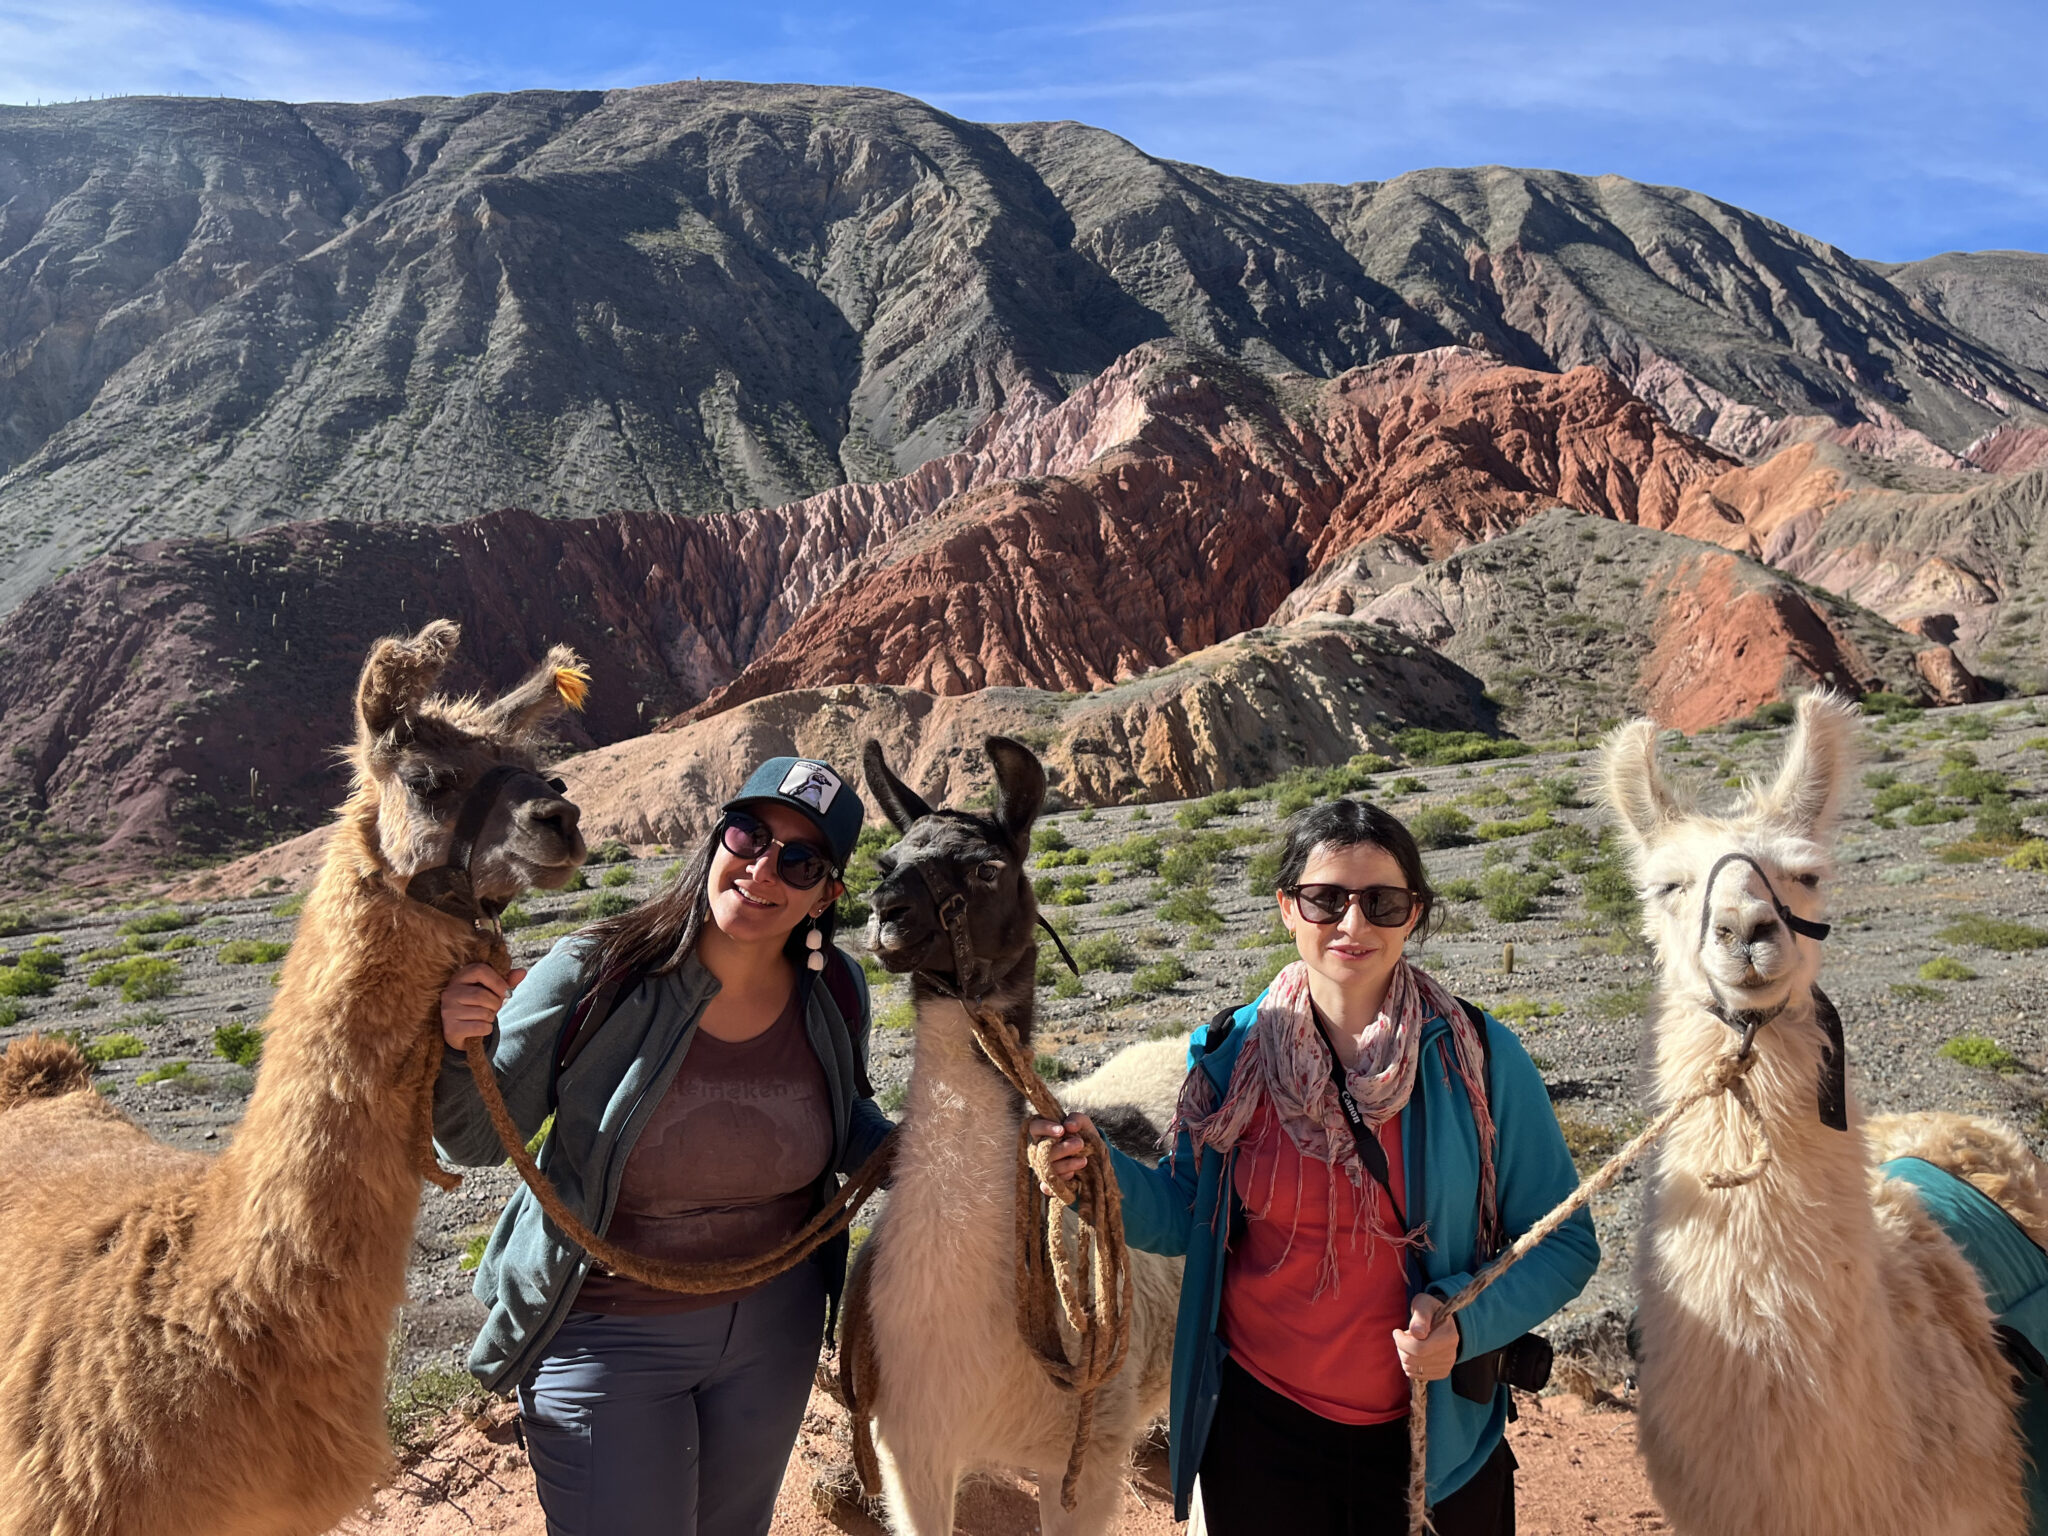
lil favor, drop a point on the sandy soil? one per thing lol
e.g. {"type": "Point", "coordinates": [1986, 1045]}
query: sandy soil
{"type": "Point", "coordinates": [1579, 1474]}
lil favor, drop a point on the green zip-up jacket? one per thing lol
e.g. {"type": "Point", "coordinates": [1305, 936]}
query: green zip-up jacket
{"type": "Point", "coordinates": [530, 1271]}
{"type": "Point", "coordinates": [1187, 1205]}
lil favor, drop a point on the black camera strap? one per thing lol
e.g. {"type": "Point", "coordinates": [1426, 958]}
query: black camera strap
{"type": "Point", "coordinates": [1371, 1151]}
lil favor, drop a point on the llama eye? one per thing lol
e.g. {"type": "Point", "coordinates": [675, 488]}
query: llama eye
{"type": "Point", "coordinates": [990, 872]}
{"type": "Point", "coordinates": [1807, 880]}
{"type": "Point", "coordinates": [1665, 888]}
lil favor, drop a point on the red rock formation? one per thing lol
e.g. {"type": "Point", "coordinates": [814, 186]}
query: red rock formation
{"type": "Point", "coordinates": [1217, 506]}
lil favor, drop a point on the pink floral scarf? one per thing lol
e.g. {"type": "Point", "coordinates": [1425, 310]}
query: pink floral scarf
{"type": "Point", "coordinates": [1285, 1065]}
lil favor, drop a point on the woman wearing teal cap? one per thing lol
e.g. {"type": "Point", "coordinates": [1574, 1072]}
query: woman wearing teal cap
{"type": "Point", "coordinates": [705, 1060]}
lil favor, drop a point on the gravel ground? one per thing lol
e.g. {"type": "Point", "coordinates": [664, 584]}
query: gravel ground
{"type": "Point", "coordinates": [1575, 994]}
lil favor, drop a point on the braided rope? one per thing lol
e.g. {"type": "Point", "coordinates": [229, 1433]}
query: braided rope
{"type": "Point", "coordinates": [1082, 1281]}
{"type": "Point", "coordinates": [1723, 1075]}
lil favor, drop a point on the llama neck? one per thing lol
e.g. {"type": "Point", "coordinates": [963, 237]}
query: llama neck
{"type": "Point", "coordinates": [1789, 1240]}
{"type": "Point", "coordinates": [322, 1192]}
{"type": "Point", "coordinates": [958, 1164]}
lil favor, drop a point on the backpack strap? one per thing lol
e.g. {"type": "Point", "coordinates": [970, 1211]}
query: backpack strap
{"type": "Point", "coordinates": [846, 996]}
{"type": "Point", "coordinates": [1219, 1030]}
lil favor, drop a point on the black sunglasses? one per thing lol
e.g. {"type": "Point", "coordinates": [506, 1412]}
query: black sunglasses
{"type": "Point", "coordinates": [1384, 906]}
{"type": "Point", "coordinates": [800, 865]}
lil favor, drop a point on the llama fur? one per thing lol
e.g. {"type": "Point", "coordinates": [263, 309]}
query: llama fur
{"type": "Point", "coordinates": [957, 1388]}
{"type": "Point", "coordinates": [1817, 1355]}
{"type": "Point", "coordinates": [197, 1346]}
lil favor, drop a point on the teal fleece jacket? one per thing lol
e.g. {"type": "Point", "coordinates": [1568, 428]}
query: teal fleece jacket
{"type": "Point", "coordinates": [1186, 1206]}
{"type": "Point", "coordinates": [530, 1271]}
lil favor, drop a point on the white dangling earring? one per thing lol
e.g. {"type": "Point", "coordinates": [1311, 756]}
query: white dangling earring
{"type": "Point", "coordinates": [814, 941]}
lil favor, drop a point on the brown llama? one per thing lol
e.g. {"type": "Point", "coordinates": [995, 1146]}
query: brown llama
{"type": "Point", "coordinates": [196, 1346]}
{"type": "Point", "coordinates": [1817, 1355]}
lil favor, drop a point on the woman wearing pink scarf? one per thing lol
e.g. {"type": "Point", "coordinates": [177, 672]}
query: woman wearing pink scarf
{"type": "Point", "coordinates": [1348, 1150]}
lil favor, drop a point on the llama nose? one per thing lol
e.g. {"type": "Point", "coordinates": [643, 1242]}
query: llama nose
{"type": "Point", "coordinates": [557, 816]}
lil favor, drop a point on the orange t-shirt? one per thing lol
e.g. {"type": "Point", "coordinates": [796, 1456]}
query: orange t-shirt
{"type": "Point", "coordinates": [1334, 1353]}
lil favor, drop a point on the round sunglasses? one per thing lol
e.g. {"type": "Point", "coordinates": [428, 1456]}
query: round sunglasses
{"type": "Point", "coordinates": [799, 865]}
{"type": "Point", "coordinates": [1384, 906]}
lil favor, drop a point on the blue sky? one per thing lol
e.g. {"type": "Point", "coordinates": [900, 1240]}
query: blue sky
{"type": "Point", "coordinates": [1893, 130]}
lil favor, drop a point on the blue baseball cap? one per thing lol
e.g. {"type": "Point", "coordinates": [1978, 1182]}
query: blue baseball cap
{"type": "Point", "coordinates": [814, 788]}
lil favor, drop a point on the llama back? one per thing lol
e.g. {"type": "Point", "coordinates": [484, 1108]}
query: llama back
{"type": "Point", "coordinates": [1981, 1152]}
{"type": "Point", "coordinates": [1131, 1096]}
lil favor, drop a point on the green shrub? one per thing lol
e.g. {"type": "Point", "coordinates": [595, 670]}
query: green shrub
{"type": "Point", "coordinates": [2031, 857]}
{"type": "Point", "coordinates": [610, 851]}
{"type": "Point", "coordinates": [1521, 1011]}
{"type": "Point", "coordinates": [1618, 1004]}
{"type": "Point", "coordinates": [1407, 784]}
{"type": "Point", "coordinates": [1884, 702]}
{"type": "Point", "coordinates": [1085, 814]}
{"type": "Point", "coordinates": [1105, 952]}
{"type": "Point", "coordinates": [141, 978]}
{"type": "Point", "coordinates": [1140, 853]}
{"type": "Point", "coordinates": [1439, 826]}
{"type": "Point", "coordinates": [577, 881]}
{"type": "Point", "coordinates": [1071, 894]}
{"type": "Point", "coordinates": [1262, 871]}
{"type": "Point", "coordinates": [1998, 822]}
{"type": "Point", "coordinates": [1185, 866]}
{"type": "Point", "coordinates": [1510, 895]}
{"type": "Point", "coordinates": [1914, 992]}
{"type": "Point", "coordinates": [1495, 831]}
{"type": "Point", "coordinates": [1159, 976]}
{"type": "Point", "coordinates": [119, 1046]}
{"type": "Point", "coordinates": [1894, 797]}
{"type": "Point", "coordinates": [1437, 748]}
{"type": "Point", "coordinates": [415, 1403]}
{"type": "Point", "coordinates": [1068, 985]}
{"type": "Point", "coordinates": [1294, 797]}
{"type": "Point", "coordinates": [1191, 906]}
{"type": "Point", "coordinates": [181, 941]}
{"type": "Point", "coordinates": [618, 875]}
{"type": "Point", "coordinates": [1980, 1052]}
{"type": "Point", "coordinates": [252, 952]}
{"type": "Point", "coordinates": [10, 1013]}
{"type": "Point", "coordinates": [898, 1015]}
{"type": "Point", "coordinates": [169, 1072]}
{"type": "Point", "coordinates": [1120, 906]}
{"type": "Point", "coordinates": [239, 1043]}
{"type": "Point", "coordinates": [1048, 1066]}
{"type": "Point", "coordinates": [1460, 889]}
{"type": "Point", "coordinates": [163, 921]}
{"type": "Point", "coordinates": [1048, 839]}
{"type": "Point", "coordinates": [34, 973]}
{"type": "Point", "coordinates": [1199, 814]}
{"type": "Point", "coordinates": [515, 917]}
{"type": "Point", "coordinates": [1880, 778]}
{"type": "Point", "coordinates": [1568, 844]}
{"type": "Point", "coordinates": [1993, 933]}
{"type": "Point", "coordinates": [1946, 968]}
{"type": "Point", "coordinates": [605, 904]}
{"type": "Point", "coordinates": [473, 1251]}
{"type": "Point", "coordinates": [291, 906]}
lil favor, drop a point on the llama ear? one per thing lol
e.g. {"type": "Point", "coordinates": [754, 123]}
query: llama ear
{"type": "Point", "coordinates": [1635, 786]}
{"type": "Point", "coordinates": [1807, 793]}
{"type": "Point", "coordinates": [400, 674]}
{"type": "Point", "coordinates": [899, 802]}
{"type": "Point", "coordinates": [1020, 787]}
{"type": "Point", "coordinates": [559, 682]}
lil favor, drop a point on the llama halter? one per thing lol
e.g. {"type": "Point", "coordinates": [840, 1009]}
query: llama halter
{"type": "Point", "coordinates": [449, 887]}
{"type": "Point", "coordinates": [1831, 1089]}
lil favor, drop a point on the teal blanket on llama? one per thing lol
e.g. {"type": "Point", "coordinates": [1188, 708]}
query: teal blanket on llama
{"type": "Point", "coordinates": [2015, 1276]}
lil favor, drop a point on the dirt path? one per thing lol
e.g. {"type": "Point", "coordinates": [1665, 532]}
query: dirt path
{"type": "Point", "coordinates": [1579, 1475]}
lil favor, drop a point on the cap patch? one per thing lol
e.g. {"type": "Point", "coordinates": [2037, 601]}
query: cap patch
{"type": "Point", "coordinates": [812, 783]}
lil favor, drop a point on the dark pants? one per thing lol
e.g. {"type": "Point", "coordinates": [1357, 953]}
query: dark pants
{"type": "Point", "coordinates": [1272, 1465]}
{"type": "Point", "coordinates": [674, 1425]}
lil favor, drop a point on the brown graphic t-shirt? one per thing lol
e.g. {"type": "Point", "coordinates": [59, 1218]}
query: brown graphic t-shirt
{"type": "Point", "coordinates": [727, 1165]}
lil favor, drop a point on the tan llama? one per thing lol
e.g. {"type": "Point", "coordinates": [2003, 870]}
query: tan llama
{"type": "Point", "coordinates": [194, 1346]}
{"type": "Point", "coordinates": [1817, 1356]}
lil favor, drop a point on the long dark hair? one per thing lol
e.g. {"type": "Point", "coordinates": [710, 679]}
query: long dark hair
{"type": "Point", "coordinates": [1349, 824]}
{"type": "Point", "coordinates": [657, 936]}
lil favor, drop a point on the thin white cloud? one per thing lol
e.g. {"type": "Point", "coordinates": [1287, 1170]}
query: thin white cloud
{"type": "Point", "coordinates": [51, 51]}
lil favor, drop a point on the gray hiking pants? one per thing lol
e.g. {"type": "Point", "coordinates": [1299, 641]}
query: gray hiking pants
{"type": "Point", "coordinates": [674, 1425]}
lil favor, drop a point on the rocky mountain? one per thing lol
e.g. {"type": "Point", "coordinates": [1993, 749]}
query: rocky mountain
{"type": "Point", "coordinates": [1573, 621]}
{"type": "Point", "coordinates": [216, 316]}
{"type": "Point", "coordinates": [176, 700]}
